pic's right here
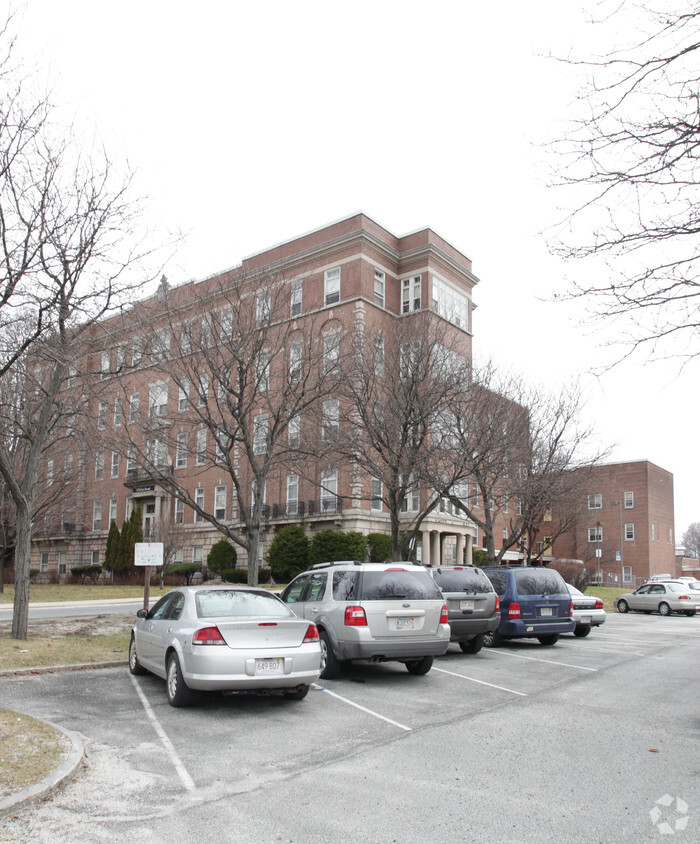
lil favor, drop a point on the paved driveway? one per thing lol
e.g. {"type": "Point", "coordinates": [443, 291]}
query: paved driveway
{"type": "Point", "coordinates": [575, 742]}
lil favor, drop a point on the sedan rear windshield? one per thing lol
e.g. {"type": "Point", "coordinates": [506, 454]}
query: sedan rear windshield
{"type": "Point", "coordinates": [471, 581]}
{"type": "Point", "coordinates": [229, 603]}
{"type": "Point", "coordinates": [538, 581]}
{"type": "Point", "coordinates": [398, 586]}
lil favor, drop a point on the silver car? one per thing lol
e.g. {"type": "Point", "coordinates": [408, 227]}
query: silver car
{"type": "Point", "coordinates": [666, 598]}
{"type": "Point", "coordinates": [225, 638]}
{"type": "Point", "coordinates": [588, 611]}
{"type": "Point", "coordinates": [372, 612]}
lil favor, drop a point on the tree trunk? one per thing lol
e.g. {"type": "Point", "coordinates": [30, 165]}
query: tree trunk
{"type": "Point", "coordinates": [23, 552]}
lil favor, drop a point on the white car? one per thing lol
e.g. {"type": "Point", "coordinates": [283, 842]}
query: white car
{"type": "Point", "coordinates": [665, 598]}
{"type": "Point", "coordinates": [588, 611]}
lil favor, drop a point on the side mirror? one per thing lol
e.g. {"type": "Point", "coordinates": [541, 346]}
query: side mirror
{"type": "Point", "coordinates": [142, 613]}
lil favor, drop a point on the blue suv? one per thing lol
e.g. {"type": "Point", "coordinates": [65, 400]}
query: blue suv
{"type": "Point", "coordinates": [535, 603]}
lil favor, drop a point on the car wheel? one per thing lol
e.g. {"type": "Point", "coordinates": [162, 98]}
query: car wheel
{"type": "Point", "coordinates": [330, 664]}
{"type": "Point", "coordinates": [582, 631]}
{"type": "Point", "coordinates": [179, 693]}
{"type": "Point", "coordinates": [135, 666]}
{"type": "Point", "coordinates": [420, 666]}
{"type": "Point", "coordinates": [493, 639]}
{"type": "Point", "coordinates": [664, 608]}
{"type": "Point", "coordinates": [548, 639]}
{"type": "Point", "coordinates": [473, 646]}
{"type": "Point", "coordinates": [623, 606]}
{"type": "Point", "coordinates": [297, 694]}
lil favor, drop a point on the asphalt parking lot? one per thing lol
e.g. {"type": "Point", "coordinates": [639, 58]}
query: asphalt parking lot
{"type": "Point", "coordinates": [593, 740]}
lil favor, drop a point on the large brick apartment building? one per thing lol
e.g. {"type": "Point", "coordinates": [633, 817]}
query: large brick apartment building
{"type": "Point", "coordinates": [625, 526]}
{"type": "Point", "coordinates": [352, 272]}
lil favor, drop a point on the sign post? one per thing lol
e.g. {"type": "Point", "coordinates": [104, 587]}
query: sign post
{"type": "Point", "coordinates": [148, 554]}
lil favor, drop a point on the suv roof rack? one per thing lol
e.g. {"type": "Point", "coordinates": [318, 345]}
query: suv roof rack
{"type": "Point", "coordinates": [337, 563]}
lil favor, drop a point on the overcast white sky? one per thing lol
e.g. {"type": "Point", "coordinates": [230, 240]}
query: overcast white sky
{"type": "Point", "coordinates": [249, 123]}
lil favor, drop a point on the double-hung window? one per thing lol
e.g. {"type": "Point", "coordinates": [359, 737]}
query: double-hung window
{"type": "Point", "coordinates": [331, 352]}
{"type": "Point", "coordinates": [629, 531]}
{"type": "Point", "coordinates": [296, 300]}
{"type": "Point", "coordinates": [411, 294]}
{"type": "Point", "coordinates": [262, 308]}
{"type": "Point", "coordinates": [331, 419]}
{"type": "Point", "coordinates": [115, 465]}
{"type": "Point", "coordinates": [595, 534]}
{"type": "Point", "coordinates": [183, 395]}
{"type": "Point", "coordinates": [181, 450]}
{"type": "Point", "coordinates": [294, 432]}
{"type": "Point", "coordinates": [292, 495]}
{"type": "Point", "coordinates": [158, 399]}
{"type": "Point", "coordinates": [260, 433]}
{"type": "Point", "coordinates": [329, 490]}
{"type": "Point", "coordinates": [595, 501]}
{"type": "Point", "coordinates": [220, 502]}
{"type": "Point", "coordinates": [376, 502]}
{"type": "Point", "coordinates": [379, 286]}
{"type": "Point", "coordinates": [102, 416]}
{"type": "Point", "coordinates": [201, 447]}
{"type": "Point", "coordinates": [629, 499]}
{"type": "Point", "coordinates": [199, 501]}
{"type": "Point", "coordinates": [331, 286]}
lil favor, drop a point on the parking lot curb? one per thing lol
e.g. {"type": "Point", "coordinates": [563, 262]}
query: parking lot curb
{"type": "Point", "coordinates": [53, 669]}
{"type": "Point", "coordinates": [72, 760]}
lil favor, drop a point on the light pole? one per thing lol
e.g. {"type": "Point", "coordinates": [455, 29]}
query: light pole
{"type": "Point", "coordinates": [622, 568]}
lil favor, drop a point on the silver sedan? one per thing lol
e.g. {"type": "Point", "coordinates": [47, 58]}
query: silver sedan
{"type": "Point", "coordinates": [588, 611]}
{"type": "Point", "coordinates": [225, 638]}
{"type": "Point", "coordinates": [665, 598]}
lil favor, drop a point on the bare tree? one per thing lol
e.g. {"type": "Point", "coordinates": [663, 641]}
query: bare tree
{"type": "Point", "coordinates": [691, 540]}
{"type": "Point", "coordinates": [66, 245]}
{"type": "Point", "coordinates": [631, 165]}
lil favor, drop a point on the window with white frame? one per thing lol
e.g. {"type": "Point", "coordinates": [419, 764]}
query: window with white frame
{"type": "Point", "coordinates": [203, 388]}
{"type": "Point", "coordinates": [595, 534]}
{"type": "Point", "coordinates": [329, 490]}
{"type": "Point", "coordinates": [183, 392]}
{"type": "Point", "coordinates": [331, 352]}
{"type": "Point", "coordinates": [158, 399]}
{"type": "Point", "coordinates": [226, 327]}
{"type": "Point", "coordinates": [121, 358]}
{"type": "Point", "coordinates": [97, 515]}
{"type": "Point", "coordinates": [629, 530]}
{"type": "Point", "coordinates": [179, 555]}
{"type": "Point", "coordinates": [220, 502]}
{"type": "Point", "coordinates": [49, 473]}
{"type": "Point", "coordinates": [409, 358]}
{"type": "Point", "coordinates": [44, 561]}
{"type": "Point", "coordinates": [99, 465]}
{"type": "Point", "coordinates": [186, 338]}
{"type": "Point", "coordinates": [627, 574]}
{"type": "Point", "coordinates": [220, 444]}
{"type": "Point", "coordinates": [450, 303]}
{"type": "Point", "coordinates": [102, 416]}
{"type": "Point", "coordinates": [131, 459]}
{"type": "Point", "coordinates": [410, 503]}
{"type": "Point", "coordinates": [68, 469]}
{"type": "Point", "coordinates": [137, 352]}
{"type": "Point", "coordinates": [629, 499]}
{"type": "Point", "coordinates": [653, 532]}
{"type": "Point", "coordinates": [197, 554]}
{"type": "Point", "coordinates": [475, 496]}
{"type": "Point", "coordinates": [114, 471]}
{"type": "Point", "coordinates": [262, 308]}
{"type": "Point", "coordinates": [199, 501]}
{"type": "Point", "coordinates": [104, 365]}
{"type": "Point", "coordinates": [595, 501]}
{"type": "Point", "coordinates": [206, 331]}
{"type": "Point", "coordinates": [262, 371]}
{"type": "Point", "coordinates": [133, 407]}
{"type": "Point", "coordinates": [161, 345]}
{"type": "Point", "coordinates": [63, 560]}
{"type": "Point", "coordinates": [201, 452]}
{"type": "Point", "coordinates": [294, 432]}
{"type": "Point", "coordinates": [292, 494]}
{"type": "Point", "coordinates": [156, 452]}
{"type": "Point", "coordinates": [376, 498]}
{"type": "Point", "coordinates": [260, 433]}
{"type": "Point", "coordinates": [411, 294]}
{"type": "Point", "coordinates": [179, 512]}
{"type": "Point", "coordinates": [330, 421]}
{"type": "Point", "coordinates": [295, 362]}
{"type": "Point", "coordinates": [378, 356]}
{"type": "Point", "coordinates": [118, 412]}
{"type": "Point", "coordinates": [263, 498]}
{"type": "Point", "coordinates": [181, 450]}
{"type": "Point", "coordinates": [112, 510]}
{"type": "Point", "coordinates": [296, 298]}
{"type": "Point", "coordinates": [379, 287]}
{"type": "Point", "coordinates": [331, 286]}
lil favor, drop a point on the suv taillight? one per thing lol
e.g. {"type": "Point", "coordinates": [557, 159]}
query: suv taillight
{"type": "Point", "coordinates": [311, 634]}
{"type": "Point", "coordinates": [514, 611]}
{"type": "Point", "coordinates": [598, 604]}
{"type": "Point", "coordinates": [208, 636]}
{"type": "Point", "coordinates": [355, 617]}
{"type": "Point", "coordinates": [571, 609]}
{"type": "Point", "coordinates": [444, 617]}
{"type": "Point", "coordinates": [498, 604]}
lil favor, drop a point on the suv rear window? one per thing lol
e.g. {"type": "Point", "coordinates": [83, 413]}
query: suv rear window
{"type": "Point", "coordinates": [345, 585]}
{"type": "Point", "coordinates": [470, 581]}
{"type": "Point", "coordinates": [398, 586]}
{"type": "Point", "coordinates": [536, 581]}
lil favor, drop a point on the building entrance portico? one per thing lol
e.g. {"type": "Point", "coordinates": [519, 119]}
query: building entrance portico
{"type": "Point", "coordinates": [447, 545]}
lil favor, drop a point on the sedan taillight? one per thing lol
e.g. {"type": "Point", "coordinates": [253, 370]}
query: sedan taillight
{"type": "Point", "coordinates": [444, 616]}
{"type": "Point", "coordinates": [355, 617]}
{"type": "Point", "coordinates": [514, 611]}
{"type": "Point", "coordinates": [684, 597]}
{"type": "Point", "coordinates": [208, 636]}
{"type": "Point", "coordinates": [311, 634]}
{"type": "Point", "coordinates": [598, 604]}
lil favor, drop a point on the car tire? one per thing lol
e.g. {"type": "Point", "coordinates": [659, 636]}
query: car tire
{"type": "Point", "coordinates": [548, 639]}
{"type": "Point", "coordinates": [623, 606]}
{"type": "Point", "coordinates": [135, 666]}
{"type": "Point", "coordinates": [664, 608]}
{"type": "Point", "coordinates": [420, 666]}
{"type": "Point", "coordinates": [330, 664]}
{"type": "Point", "coordinates": [297, 694]}
{"type": "Point", "coordinates": [493, 639]}
{"type": "Point", "coordinates": [582, 631]}
{"type": "Point", "coordinates": [473, 646]}
{"type": "Point", "coordinates": [179, 693]}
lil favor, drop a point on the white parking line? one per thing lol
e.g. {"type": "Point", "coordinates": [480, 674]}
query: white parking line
{"type": "Point", "coordinates": [537, 659]}
{"type": "Point", "coordinates": [482, 682]}
{"type": "Point", "coordinates": [363, 708]}
{"type": "Point", "coordinates": [612, 651]}
{"type": "Point", "coordinates": [185, 778]}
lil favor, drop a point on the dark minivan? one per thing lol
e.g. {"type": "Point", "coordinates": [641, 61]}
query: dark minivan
{"type": "Point", "coordinates": [535, 603]}
{"type": "Point", "coordinates": [472, 604]}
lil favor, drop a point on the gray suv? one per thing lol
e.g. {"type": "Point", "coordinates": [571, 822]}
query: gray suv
{"type": "Point", "coordinates": [472, 604]}
{"type": "Point", "coordinates": [377, 612]}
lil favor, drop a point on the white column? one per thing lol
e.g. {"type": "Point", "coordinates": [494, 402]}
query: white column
{"type": "Point", "coordinates": [468, 557]}
{"type": "Point", "coordinates": [460, 549]}
{"type": "Point", "coordinates": [435, 548]}
{"type": "Point", "coordinates": [425, 547]}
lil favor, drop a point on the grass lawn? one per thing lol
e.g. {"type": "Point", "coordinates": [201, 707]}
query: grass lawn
{"type": "Point", "coordinates": [43, 592]}
{"type": "Point", "coordinates": [608, 594]}
{"type": "Point", "coordinates": [38, 650]}
{"type": "Point", "coordinates": [29, 750]}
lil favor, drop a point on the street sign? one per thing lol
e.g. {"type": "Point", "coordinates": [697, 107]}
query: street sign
{"type": "Point", "coordinates": [598, 552]}
{"type": "Point", "coordinates": [618, 556]}
{"type": "Point", "coordinates": [148, 554]}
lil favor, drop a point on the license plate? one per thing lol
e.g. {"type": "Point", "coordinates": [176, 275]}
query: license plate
{"type": "Point", "coordinates": [466, 605]}
{"type": "Point", "coordinates": [405, 624]}
{"type": "Point", "coordinates": [546, 611]}
{"type": "Point", "coordinates": [585, 619]}
{"type": "Point", "coordinates": [268, 666]}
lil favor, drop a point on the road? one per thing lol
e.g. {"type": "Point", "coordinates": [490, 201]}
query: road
{"type": "Point", "coordinates": [76, 609]}
{"type": "Point", "coordinates": [586, 741]}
